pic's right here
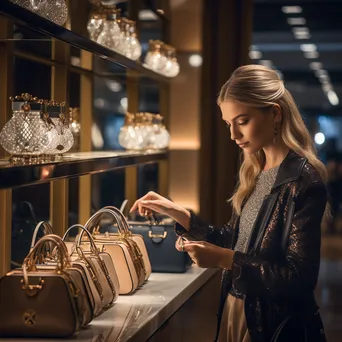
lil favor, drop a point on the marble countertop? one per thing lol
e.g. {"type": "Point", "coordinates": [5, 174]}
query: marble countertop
{"type": "Point", "coordinates": [136, 317]}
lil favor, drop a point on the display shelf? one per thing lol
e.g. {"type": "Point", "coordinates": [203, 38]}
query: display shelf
{"type": "Point", "coordinates": [49, 28]}
{"type": "Point", "coordinates": [73, 165]}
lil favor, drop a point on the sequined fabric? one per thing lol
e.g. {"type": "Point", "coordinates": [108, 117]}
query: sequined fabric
{"type": "Point", "coordinates": [251, 208]}
{"type": "Point", "coordinates": [275, 285]}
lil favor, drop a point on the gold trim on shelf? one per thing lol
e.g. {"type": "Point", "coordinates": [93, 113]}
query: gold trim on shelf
{"type": "Point", "coordinates": [5, 230]}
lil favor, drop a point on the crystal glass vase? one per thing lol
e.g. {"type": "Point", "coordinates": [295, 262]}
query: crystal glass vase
{"type": "Point", "coordinates": [53, 10]}
{"type": "Point", "coordinates": [25, 134]}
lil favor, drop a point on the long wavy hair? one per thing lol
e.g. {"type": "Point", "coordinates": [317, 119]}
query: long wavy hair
{"type": "Point", "coordinates": [261, 87]}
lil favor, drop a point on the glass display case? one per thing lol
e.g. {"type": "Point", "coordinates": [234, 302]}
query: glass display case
{"type": "Point", "coordinates": [99, 84]}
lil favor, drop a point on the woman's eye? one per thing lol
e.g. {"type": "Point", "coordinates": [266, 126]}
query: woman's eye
{"type": "Point", "coordinates": [242, 123]}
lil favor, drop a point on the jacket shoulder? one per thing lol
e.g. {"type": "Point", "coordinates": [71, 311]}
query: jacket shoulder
{"type": "Point", "coordinates": [310, 177]}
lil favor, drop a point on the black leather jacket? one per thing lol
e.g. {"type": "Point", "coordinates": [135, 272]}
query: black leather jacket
{"type": "Point", "coordinates": [277, 282]}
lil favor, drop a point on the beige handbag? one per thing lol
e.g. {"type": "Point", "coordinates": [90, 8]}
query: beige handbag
{"type": "Point", "coordinates": [47, 229]}
{"type": "Point", "coordinates": [137, 238]}
{"type": "Point", "coordinates": [98, 267]}
{"type": "Point", "coordinates": [125, 253]}
{"type": "Point", "coordinates": [29, 304]}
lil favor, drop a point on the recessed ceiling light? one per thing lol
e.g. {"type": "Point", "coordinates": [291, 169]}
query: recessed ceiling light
{"type": "Point", "coordinates": [321, 72]}
{"type": "Point", "coordinates": [300, 30]}
{"type": "Point", "coordinates": [266, 63]}
{"type": "Point", "coordinates": [291, 9]}
{"type": "Point", "coordinates": [308, 47]}
{"type": "Point", "coordinates": [327, 86]}
{"type": "Point", "coordinates": [315, 65]}
{"type": "Point", "coordinates": [332, 97]}
{"type": "Point", "coordinates": [296, 21]}
{"type": "Point", "coordinates": [311, 54]}
{"type": "Point", "coordinates": [254, 54]}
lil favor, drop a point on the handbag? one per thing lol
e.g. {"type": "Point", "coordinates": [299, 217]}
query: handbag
{"type": "Point", "coordinates": [124, 251]}
{"type": "Point", "coordinates": [29, 306]}
{"type": "Point", "coordinates": [98, 267]}
{"type": "Point", "coordinates": [137, 238]}
{"type": "Point", "coordinates": [160, 240]}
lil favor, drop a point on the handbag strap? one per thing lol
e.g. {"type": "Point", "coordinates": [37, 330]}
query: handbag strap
{"type": "Point", "coordinates": [47, 230]}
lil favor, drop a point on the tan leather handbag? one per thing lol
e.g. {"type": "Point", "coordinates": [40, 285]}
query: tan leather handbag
{"type": "Point", "coordinates": [137, 238]}
{"type": "Point", "coordinates": [124, 251]}
{"type": "Point", "coordinates": [29, 304]}
{"type": "Point", "coordinates": [99, 268]}
{"type": "Point", "coordinates": [42, 225]}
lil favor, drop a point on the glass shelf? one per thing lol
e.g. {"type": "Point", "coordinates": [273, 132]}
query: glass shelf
{"type": "Point", "coordinates": [49, 28]}
{"type": "Point", "coordinates": [73, 165]}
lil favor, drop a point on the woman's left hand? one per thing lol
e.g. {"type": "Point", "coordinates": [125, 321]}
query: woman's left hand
{"type": "Point", "coordinates": [207, 255]}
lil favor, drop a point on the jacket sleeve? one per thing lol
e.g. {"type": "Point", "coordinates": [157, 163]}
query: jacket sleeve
{"type": "Point", "coordinates": [297, 274]}
{"type": "Point", "coordinates": [202, 231]}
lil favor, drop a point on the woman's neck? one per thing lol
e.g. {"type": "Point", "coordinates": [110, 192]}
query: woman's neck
{"type": "Point", "coordinates": [275, 155]}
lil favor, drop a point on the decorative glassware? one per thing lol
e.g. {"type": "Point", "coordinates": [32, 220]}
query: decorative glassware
{"type": "Point", "coordinates": [95, 25]}
{"type": "Point", "coordinates": [61, 136]}
{"type": "Point", "coordinates": [129, 45]}
{"type": "Point", "coordinates": [74, 125]}
{"type": "Point", "coordinates": [26, 133]}
{"type": "Point", "coordinates": [53, 10]}
{"type": "Point", "coordinates": [161, 135]}
{"type": "Point", "coordinates": [110, 34]}
{"type": "Point", "coordinates": [171, 68]}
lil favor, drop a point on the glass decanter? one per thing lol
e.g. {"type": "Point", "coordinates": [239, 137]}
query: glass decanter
{"type": "Point", "coordinates": [25, 134]}
{"type": "Point", "coordinates": [95, 24]}
{"type": "Point", "coordinates": [171, 68]}
{"type": "Point", "coordinates": [161, 135]}
{"type": "Point", "coordinates": [110, 34]}
{"type": "Point", "coordinates": [130, 45]}
{"type": "Point", "coordinates": [61, 136]}
{"type": "Point", "coordinates": [53, 10]}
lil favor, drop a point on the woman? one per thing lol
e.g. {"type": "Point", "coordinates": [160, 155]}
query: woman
{"type": "Point", "coordinates": [270, 250]}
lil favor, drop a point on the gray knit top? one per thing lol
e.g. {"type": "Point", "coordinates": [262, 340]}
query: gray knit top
{"type": "Point", "coordinates": [249, 213]}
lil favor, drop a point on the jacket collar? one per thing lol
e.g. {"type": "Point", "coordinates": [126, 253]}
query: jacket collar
{"type": "Point", "coordinates": [290, 169]}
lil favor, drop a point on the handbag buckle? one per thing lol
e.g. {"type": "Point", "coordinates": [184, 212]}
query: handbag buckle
{"type": "Point", "coordinates": [157, 236]}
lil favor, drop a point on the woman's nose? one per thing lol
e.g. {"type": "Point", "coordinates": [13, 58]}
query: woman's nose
{"type": "Point", "coordinates": [235, 133]}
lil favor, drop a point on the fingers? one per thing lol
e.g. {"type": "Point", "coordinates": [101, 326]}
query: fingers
{"type": "Point", "coordinates": [150, 195]}
{"type": "Point", "coordinates": [191, 246]}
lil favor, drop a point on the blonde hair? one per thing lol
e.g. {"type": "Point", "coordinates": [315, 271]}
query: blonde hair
{"type": "Point", "coordinates": [261, 87]}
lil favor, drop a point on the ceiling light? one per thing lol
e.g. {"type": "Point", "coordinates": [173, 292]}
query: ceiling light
{"type": "Point", "coordinates": [147, 15]}
{"type": "Point", "coordinates": [302, 35]}
{"type": "Point", "coordinates": [311, 54]}
{"type": "Point", "coordinates": [319, 138]}
{"type": "Point", "coordinates": [291, 9]}
{"type": "Point", "coordinates": [266, 63]}
{"type": "Point", "coordinates": [327, 86]}
{"type": "Point", "coordinates": [124, 103]}
{"type": "Point", "coordinates": [308, 47]}
{"type": "Point", "coordinates": [321, 72]}
{"type": "Point", "coordinates": [333, 98]}
{"type": "Point", "coordinates": [296, 21]}
{"type": "Point", "coordinates": [113, 85]}
{"type": "Point", "coordinates": [315, 65]}
{"type": "Point", "coordinates": [324, 78]}
{"type": "Point", "coordinates": [254, 54]}
{"type": "Point", "coordinates": [195, 60]}
{"type": "Point", "coordinates": [300, 30]}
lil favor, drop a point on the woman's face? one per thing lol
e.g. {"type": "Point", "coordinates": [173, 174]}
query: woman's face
{"type": "Point", "coordinates": [251, 128]}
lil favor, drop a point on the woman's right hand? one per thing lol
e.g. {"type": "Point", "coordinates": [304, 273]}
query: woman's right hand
{"type": "Point", "coordinates": [153, 202]}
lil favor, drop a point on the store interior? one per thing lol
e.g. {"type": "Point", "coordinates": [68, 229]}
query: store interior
{"type": "Point", "coordinates": [105, 92]}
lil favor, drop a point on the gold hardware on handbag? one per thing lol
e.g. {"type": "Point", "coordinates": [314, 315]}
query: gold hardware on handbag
{"type": "Point", "coordinates": [157, 236]}
{"type": "Point", "coordinates": [29, 306]}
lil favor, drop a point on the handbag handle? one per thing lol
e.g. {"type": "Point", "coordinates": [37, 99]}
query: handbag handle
{"type": "Point", "coordinates": [36, 254]}
{"type": "Point", "coordinates": [123, 220]}
{"type": "Point", "coordinates": [96, 219]}
{"type": "Point", "coordinates": [47, 230]}
{"type": "Point", "coordinates": [79, 238]}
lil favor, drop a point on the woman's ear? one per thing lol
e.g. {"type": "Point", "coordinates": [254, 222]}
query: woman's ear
{"type": "Point", "coordinates": [277, 114]}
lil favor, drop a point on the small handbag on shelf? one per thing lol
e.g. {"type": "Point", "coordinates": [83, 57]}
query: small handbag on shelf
{"type": "Point", "coordinates": [98, 268]}
{"type": "Point", "coordinates": [124, 251]}
{"type": "Point", "coordinates": [29, 306]}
